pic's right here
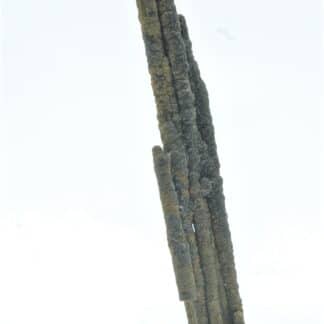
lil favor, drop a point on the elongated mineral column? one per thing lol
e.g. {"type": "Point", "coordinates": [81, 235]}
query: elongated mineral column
{"type": "Point", "coordinates": [187, 170]}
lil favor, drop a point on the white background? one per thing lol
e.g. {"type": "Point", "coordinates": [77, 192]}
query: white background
{"type": "Point", "coordinates": [82, 236]}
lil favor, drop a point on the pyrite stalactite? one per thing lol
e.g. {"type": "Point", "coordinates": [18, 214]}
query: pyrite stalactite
{"type": "Point", "coordinates": [187, 170]}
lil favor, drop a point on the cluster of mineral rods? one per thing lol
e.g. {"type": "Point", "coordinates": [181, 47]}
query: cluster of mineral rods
{"type": "Point", "coordinates": [187, 169]}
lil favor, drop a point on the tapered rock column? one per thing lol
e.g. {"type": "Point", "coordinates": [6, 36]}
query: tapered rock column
{"type": "Point", "coordinates": [187, 169]}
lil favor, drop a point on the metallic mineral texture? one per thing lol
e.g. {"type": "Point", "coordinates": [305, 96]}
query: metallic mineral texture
{"type": "Point", "coordinates": [187, 169]}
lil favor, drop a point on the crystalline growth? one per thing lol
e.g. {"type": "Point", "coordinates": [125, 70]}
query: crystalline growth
{"type": "Point", "coordinates": [187, 169]}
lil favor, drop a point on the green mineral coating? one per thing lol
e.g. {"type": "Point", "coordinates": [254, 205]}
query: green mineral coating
{"type": "Point", "coordinates": [216, 199]}
{"type": "Point", "coordinates": [187, 169]}
{"type": "Point", "coordinates": [176, 51]}
{"type": "Point", "coordinates": [177, 242]}
{"type": "Point", "coordinates": [191, 313]}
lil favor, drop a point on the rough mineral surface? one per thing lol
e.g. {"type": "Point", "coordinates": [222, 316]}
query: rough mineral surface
{"type": "Point", "coordinates": [187, 169]}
